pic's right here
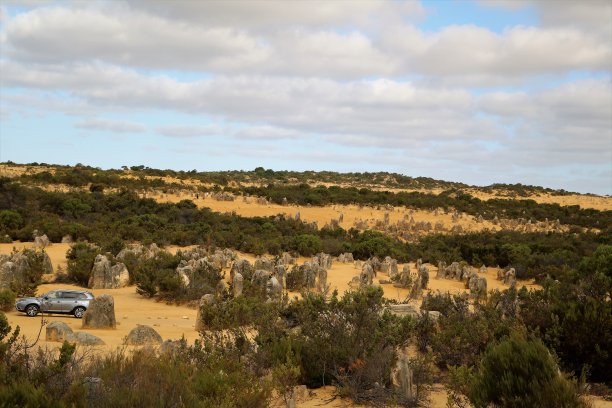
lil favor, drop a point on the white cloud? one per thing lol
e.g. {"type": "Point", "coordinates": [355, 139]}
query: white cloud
{"type": "Point", "coordinates": [117, 126]}
{"type": "Point", "coordinates": [265, 15]}
{"type": "Point", "coordinates": [62, 35]}
{"type": "Point", "coordinates": [188, 131]}
{"type": "Point", "coordinates": [305, 44]}
{"type": "Point", "coordinates": [464, 52]}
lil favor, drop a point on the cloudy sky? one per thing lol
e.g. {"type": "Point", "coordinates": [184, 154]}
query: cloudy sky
{"type": "Point", "coordinates": [480, 92]}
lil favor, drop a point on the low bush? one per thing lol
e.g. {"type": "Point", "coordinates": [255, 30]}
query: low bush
{"type": "Point", "coordinates": [520, 372]}
{"type": "Point", "coordinates": [7, 300]}
{"type": "Point", "coordinates": [80, 259]}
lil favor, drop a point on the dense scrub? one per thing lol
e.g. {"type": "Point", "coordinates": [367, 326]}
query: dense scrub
{"type": "Point", "coordinates": [112, 219]}
{"type": "Point", "coordinates": [276, 188]}
{"type": "Point", "coordinates": [81, 175]}
{"type": "Point", "coordinates": [206, 374]}
{"type": "Point", "coordinates": [450, 199]}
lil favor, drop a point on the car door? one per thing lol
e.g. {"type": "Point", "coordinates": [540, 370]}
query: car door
{"type": "Point", "coordinates": [52, 302]}
{"type": "Point", "coordinates": [68, 301]}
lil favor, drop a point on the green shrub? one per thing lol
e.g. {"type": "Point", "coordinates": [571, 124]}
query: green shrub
{"type": "Point", "coordinates": [37, 264]}
{"type": "Point", "coordinates": [80, 259]}
{"type": "Point", "coordinates": [7, 300]}
{"type": "Point", "coordinates": [519, 372]}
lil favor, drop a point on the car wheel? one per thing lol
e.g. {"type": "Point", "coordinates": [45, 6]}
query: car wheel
{"type": "Point", "coordinates": [78, 312]}
{"type": "Point", "coordinates": [32, 310]}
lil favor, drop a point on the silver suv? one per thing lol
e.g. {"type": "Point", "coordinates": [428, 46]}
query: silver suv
{"type": "Point", "coordinates": [73, 302]}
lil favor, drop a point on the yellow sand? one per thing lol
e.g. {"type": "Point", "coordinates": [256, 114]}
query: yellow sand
{"type": "Point", "coordinates": [323, 215]}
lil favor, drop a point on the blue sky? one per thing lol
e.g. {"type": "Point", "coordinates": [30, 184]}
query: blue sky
{"type": "Point", "coordinates": [480, 92]}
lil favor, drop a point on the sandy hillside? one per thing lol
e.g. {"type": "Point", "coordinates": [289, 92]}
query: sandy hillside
{"type": "Point", "coordinates": [352, 215]}
{"type": "Point", "coordinates": [584, 201]}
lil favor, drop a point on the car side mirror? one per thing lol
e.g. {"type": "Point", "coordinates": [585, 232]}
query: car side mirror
{"type": "Point", "coordinates": [46, 297]}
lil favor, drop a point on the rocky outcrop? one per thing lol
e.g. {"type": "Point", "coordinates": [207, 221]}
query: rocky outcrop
{"type": "Point", "coordinates": [243, 267]}
{"type": "Point", "coordinates": [104, 275]}
{"type": "Point", "coordinates": [139, 251]}
{"type": "Point", "coordinates": [100, 314]}
{"type": "Point", "coordinates": [41, 241]}
{"type": "Point", "coordinates": [18, 268]}
{"type": "Point", "coordinates": [143, 335]}
{"type": "Point", "coordinates": [274, 290]}
{"type": "Point", "coordinates": [264, 264]}
{"type": "Point", "coordinates": [237, 284]}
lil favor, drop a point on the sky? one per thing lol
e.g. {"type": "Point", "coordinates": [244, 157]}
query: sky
{"type": "Point", "coordinates": [480, 92]}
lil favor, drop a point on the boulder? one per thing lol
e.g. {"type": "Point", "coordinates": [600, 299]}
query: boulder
{"type": "Point", "coordinates": [85, 339]}
{"type": "Point", "coordinates": [260, 277]}
{"type": "Point", "coordinates": [367, 275]}
{"type": "Point", "coordinates": [237, 284]}
{"type": "Point", "coordinates": [287, 259]}
{"type": "Point", "coordinates": [57, 331]}
{"type": "Point", "coordinates": [169, 346]}
{"type": "Point", "coordinates": [41, 242]}
{"type": "Point", "coordinates": [101, 313]}
{"type": "Point", "coordinates": [281, 274]}
{"type": "Point", "coordinates": [243, 267]}
{"type": "Point", "coordinates": [205, 300]}
{"type": "Point", "coordinates": [142, 335]}
{"type": "Point", "coordinates": [403, 378]}
{"type": "Point", "coordinates": [309, 272]}
{"type": "Point", "coordinates": [322, 259]}
{"type": "Point", "coordinates": [104, 275]}
{"type": "Point", "coordinates": [274, 290]}
{"type": "Point", "coordinates": [264, 264]}
{"type": "Point", "coordinates": [14, 268]}
{"type": "Point", "coordinates": [322, 280]}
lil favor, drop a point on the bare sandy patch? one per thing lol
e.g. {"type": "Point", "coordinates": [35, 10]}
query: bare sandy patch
{"type": "Point", "coordinates": [347, 216]}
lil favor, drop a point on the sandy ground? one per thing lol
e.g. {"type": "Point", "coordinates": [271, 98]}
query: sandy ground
{"type": "Point", "coordinates": [351, 214]}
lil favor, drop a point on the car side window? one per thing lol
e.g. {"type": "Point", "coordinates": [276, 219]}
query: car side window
{"type": "Point", "coordinates": [70, 295]}
{"type": "Point", "coordinates": [52, 295]}
{"type": "Point", "coordinates": [82, 296]}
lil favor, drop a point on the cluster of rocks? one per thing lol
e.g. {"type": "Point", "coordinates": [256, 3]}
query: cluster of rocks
{"type": "Point", "coordinates": [346, 257]}
{"type": "Point", "coordinates": [41, 241]}
{"type": "Point", "coordinates": [462, 272]}
{"type": "Point", "coordinates": [139, 251]}
{"type": "Point", "coordinates": [141, 335]}
{"type": "Point", "coordinates": [508, 276]}
{"type": "Point", "coordinates": [422, 280]}
{"type": "Point", "coordinates": [314, 273]}
{"type": "Point", "coordinates": [60, 332]}
{"type": "Point", "coordinates": [105, 275]}
{"type": "Point", "coordinates": [454, 271]}
{"type": "Point", "coordinates": [527, 225]}
{"type": "Point", "coordinates": [323, 260]}
{"type": "Point", "coordinates": [223, 196]}
{"type": "Point", "coordinates": [262, 201]}
{"type": "Point", "coordinates": [15, 267]}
